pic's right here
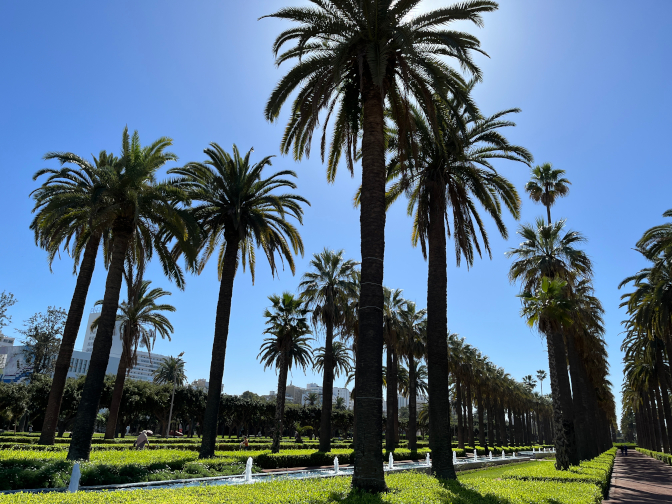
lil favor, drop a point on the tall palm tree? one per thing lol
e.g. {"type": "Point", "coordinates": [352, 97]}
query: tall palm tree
{"type": "Point", "coordinates": [288, 346]}
{"type": "Point", "coordinates": [547, 185]}
{"type": "Point", "coordinates": [66, 216]}
{"type": "Point", "coordinates": [547, 251]}
{"type": "Point", "coordinates": [352, 59]}
{"type": "Point", "coordinates": [326, 290]}
{"type": "Point", "coordinates": [541, 376]}
{"type": "Point", "coordinates": [141, 320]}
{"type": "Point", "coordinates": [170, 370]}
{"type": "Point", "coordinates": [237, 209]}
{"type": "Point", "coordinates": [449, 174]}
{"type": "Point", "coordinates": [548, 309]}
{"type": "Point", "coordinates": [130, 202]}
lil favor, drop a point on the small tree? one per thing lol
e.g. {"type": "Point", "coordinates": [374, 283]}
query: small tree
{"type": "Point", "coordinates": [7, 299]}
{"type": "Point", "coordinates": [42, 334]}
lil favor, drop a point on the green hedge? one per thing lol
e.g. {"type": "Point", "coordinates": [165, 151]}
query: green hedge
{"type": "Point", "coordinates": [404, 488]}
{"type": "Point", "coordinates": [663, 457]}
{"type": "Point", "coordinates": [596, 471]}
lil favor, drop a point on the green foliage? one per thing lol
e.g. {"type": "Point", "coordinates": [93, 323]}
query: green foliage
{"type": "Point", "coordinates": [596, 471]}
{"type": "Point", "coordinates": [405, 488]}
{"type": "Point", "coordinates": [663, 457]}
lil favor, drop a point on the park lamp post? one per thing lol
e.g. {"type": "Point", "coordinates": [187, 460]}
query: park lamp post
{"type": "Point", "coordinates": [172, 398]}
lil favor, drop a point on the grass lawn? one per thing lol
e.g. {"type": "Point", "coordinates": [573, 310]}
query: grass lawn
{"type": "Point", "coordinates": [493, 472]}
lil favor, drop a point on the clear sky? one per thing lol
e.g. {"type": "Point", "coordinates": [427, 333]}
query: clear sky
{"type": "Point", "coordinates": [592, 80]}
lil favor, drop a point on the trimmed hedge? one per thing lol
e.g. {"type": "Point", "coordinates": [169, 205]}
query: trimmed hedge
{"type": "Point", "coordinates": [596, 471]}
{"type": "Point", "coordinates": [404, 488]}
{"type": "Point", "coordinates": [663, 457]}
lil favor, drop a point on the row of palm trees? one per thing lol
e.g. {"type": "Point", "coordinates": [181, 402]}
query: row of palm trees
{"type": "Point", "coordinates": [647, 344]}
{"type": "Point", "coordinates": [557, 295]}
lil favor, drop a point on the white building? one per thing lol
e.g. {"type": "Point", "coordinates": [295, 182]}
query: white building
{"type": "Point", "coordinates": [201, 383]}
{"type": "Point", "coordinates": [344, 393]}
{"type": "Point", "coordinates": [13, 368]}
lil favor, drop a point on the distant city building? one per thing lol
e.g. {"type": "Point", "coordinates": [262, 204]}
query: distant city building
{"type": "Point", "coordinates": [13, 367]}
{"type": "Point", "coordinates": [201, 384]}
{"type": "Point", "coordinates": [6, 341]}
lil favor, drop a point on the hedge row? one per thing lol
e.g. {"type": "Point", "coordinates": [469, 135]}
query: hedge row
{"type": "Point", "coordinates": [663, 457]}
{"type": "Point", "coordinates": [596, 471]}
{"type": "Point", "coordinates": [404, 489]}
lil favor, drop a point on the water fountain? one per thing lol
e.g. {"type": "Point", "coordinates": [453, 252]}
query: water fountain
{"type": "Point", "coordinates": [454, 457]}
{"type": "Point", "coordinates": [74, 478]}
{"type": "Point", "coordinates": [390, 462]}
{"type": "Point", "coordinates": [475, 456]}
{"type": "Point", "coordinates": [514, 455]}
{"type": "Point", "coordinates": [533, 450]}
{"type": "Point", "coordinates": [490, 455]}
{"type": "Point", "coordinates": [427, 459]}
{"type": "Point", "coordinates": [248, 470]}
{"type": "Point", "coordinates": [503, 456]}
{"type": "Point", "coordinates": [335, 465]}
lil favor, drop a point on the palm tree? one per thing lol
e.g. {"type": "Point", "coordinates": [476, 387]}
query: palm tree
{"type": "Point", "coordinates": [352, 58]}
{"type": "Point", "coordinates": [450, 173]}
{"type": "Point", "coordinates": [392, 308]}
{"type": "Point", "coordinates": [548, 253]}
{"type": "Point", "coordinates": [412, 347]}
{"type": "Point", "coordinates": [66, 217]}
{"type": "Point", "coordinates": [341, 360]}
{"type": "Point", "coordinates": [529, 382]}
{"type": "Point", "coordinates": [237, 209]}
{"type": "Point", "coordinates": [312, 399]}
{"type": "Point", "coordinates": [129, 201]}
{"type": "Point", "coordinates": [287, 323]}
{"type": "Point", "coordinates": [326, 290]}
{"type": "Point", "coordinates": [340, 403]}
{"type": "Point", "coordinates": [547, 185]}
{"type": "Point", "coordinates": [170, 370]}
{"type": "Point", "coordinates": [541, 376]}
{"type": "Point", "coordinates": [141, 320]}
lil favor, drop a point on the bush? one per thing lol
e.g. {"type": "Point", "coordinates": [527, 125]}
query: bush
{"type": "Point", "coordinates": [663, 457]}
{"type": "Point", "coordinates": [596, 471]}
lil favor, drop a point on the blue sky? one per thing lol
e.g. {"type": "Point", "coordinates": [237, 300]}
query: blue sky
{"type": "Point", "coordinates": [592, 80]}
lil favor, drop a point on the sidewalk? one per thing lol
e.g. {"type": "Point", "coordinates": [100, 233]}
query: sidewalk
{"type": "Point", "coordinates": [638, 479]}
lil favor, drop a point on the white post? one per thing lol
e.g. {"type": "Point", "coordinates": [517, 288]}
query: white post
{"type": "Point", "coordinates": [74, 478]}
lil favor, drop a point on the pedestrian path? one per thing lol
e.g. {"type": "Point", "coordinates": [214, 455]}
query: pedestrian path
{"type": "Point", "coordinates": [638, 479]}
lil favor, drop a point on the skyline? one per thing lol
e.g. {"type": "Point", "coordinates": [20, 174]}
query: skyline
{"type": "Point", "coordinates": [56, 108]}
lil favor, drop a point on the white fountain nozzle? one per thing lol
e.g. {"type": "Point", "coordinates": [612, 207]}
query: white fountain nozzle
{"type": "Point", "coordinates": [74, 478]}
{"type": "Point", "coordinates": [336, 470]}
{"type": "Point", "coordinates": [390, 463]}
{"type": "Point", "coordinates": [248, 470]}
{"type": "Point", "coordinates": [427, 458]}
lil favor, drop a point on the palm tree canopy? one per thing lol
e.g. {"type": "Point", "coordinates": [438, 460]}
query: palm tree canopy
{"type": "Point", "coordinates": [328, 286]}
{"type": "Point", "coordinates": [234, 202]}
{"type": "Point", "coordinates": [65, 208]}
{"type": "Point", "coordinates": [341, 359]}
{"type": "Point", "coordinates": [343, 49]}
{"type": "Point", "coordinates": [456, 158]}
{"type": "Point", "coordinates": [547, 184]}
{"type": "Point", "coordinates": [547, 252]}
{"type": "Point", "coordinates": [170, 370]}
{"type": "Point", "coordinates": [287, 322]}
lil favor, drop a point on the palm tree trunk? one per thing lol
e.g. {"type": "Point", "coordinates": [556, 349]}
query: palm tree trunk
{"type": "Point", "coordinates": [481, 417]}
{"type": "Point", "coordinates": [437, 345]}
{"type": "Point", "coordinates": [280, 405]}
{"type": "Point", "coordinates": [662, 381]}
{"type": "Point", "coordinates": [368, 472]}
{"type": "Point", "coordinates": [219, 347]}
{"type": "Point", "coordinates": [458, 407]}
{"type": "Point", "coordinates": [502, 423]}
{"type": "Point", "coordinates": [562, 422]}
{"type": "Point", "coordinates": [82, 434]}
{"type": "Point", "coordinates": [470, 414]}
{"type": "Point", "coordinates": [111, 427]}
{"type": "Point", "coordinates": [391, 399]}
{"type": "Point", "coordinates": [579, 400]}
{"type": "Point", "coordinates": [491, 423]}
{"type": "Point", "coordinates": [412, 406]}
{"type": "Point", "coordinates": [327, 389]}
{"type": "Point", "coordinates": [661, 420]}
{"type": "Point", "coordinates": [70, 331]}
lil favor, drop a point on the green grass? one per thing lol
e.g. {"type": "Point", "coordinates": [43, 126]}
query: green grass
{"type": "Point", "coordinates": [493, 472]}
{"type": "Point", "coordinates": [408, 488]}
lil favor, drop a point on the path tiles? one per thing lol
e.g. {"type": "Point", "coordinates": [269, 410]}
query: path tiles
{"type": "Point", "coordinates": [639, 479]}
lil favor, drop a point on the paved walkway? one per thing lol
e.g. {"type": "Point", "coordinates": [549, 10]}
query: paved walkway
{"type": "Point", "coordinates": [639, 479]}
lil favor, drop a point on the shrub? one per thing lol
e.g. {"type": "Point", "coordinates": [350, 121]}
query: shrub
{"type": "Point", "coordinates": [663, 457]}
